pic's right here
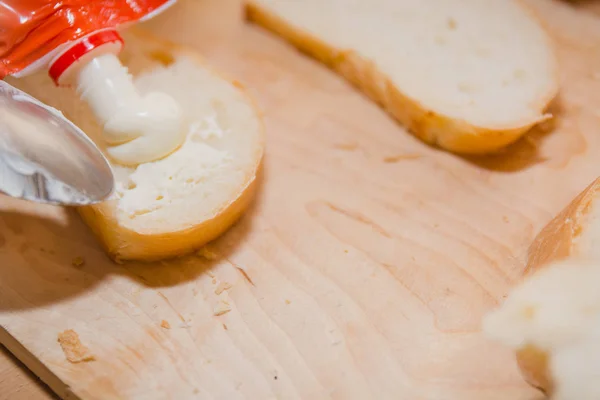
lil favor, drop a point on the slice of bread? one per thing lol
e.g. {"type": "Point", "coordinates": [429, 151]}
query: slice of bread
{"type": "Point", "coordinates": [470, 76]}
{"type": "Point", "coordinates": [552, 318]}
{"type": "Point", "coordinates": [175, 205]}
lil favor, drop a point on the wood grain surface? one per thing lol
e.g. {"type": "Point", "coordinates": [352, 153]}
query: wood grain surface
{"type": "Point", "coordinates": [361, 272]}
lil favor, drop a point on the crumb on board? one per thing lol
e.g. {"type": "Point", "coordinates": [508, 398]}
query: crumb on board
{"type": "Point", "coordinates": [221, 308]}
{"type": "Point", "coordinates": [223, 286]}
{"type": "Point", "coordinates": [287, 301]}
{"type": "Point", "coordinates": [74, 350]}
{"type": "Point", "coordinates": [165, 324]}
{"type": "Point", "coordinates": [225, 327]}
{"type": "Point", "coordinates": [346, 146]}
{"type": "Point", "coordinates": [451, 24]}
{"type": "Point", "coordinates": [207, 254]}
{"type": "Point", "coordinates": [214, 281]}
{"type": "Point", "coordinates": [245, 275]}
{"type": "Point", "coordinates": [399, 157]}
{"type": "Point", "coordinates": [505, 219]}
{"type": "Point", "coordinates": [78, 262]}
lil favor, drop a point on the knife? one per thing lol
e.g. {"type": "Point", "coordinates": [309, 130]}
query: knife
{"type": "Point", "coordinates": [46, 158]}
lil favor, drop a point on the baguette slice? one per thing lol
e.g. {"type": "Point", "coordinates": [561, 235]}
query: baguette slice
{"type": "Point", "coordinates": [175, 205]}
{"type": "Point", "coordinates": [552, 318]}
{"type": "Point", "coordinates": [470, 76]}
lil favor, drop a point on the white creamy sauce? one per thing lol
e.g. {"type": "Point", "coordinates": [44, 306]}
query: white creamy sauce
{"type": "Point", "coordinates": [138, 129]}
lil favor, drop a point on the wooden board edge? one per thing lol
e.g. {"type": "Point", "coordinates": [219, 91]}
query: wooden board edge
{"type": "Point", "coordinates": [38, 368]}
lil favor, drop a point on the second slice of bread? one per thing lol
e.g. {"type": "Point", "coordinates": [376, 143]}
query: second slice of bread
{"type": "Point", "coordinates": [468, 75]}
{"type": "Point", "coordinates": [552, 319]}
{"type": "Point", "coordinates": [175, 205]}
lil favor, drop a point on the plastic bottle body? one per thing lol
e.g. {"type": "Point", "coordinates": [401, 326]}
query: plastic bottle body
{"type": "Point", "coordinates": [34, 31]}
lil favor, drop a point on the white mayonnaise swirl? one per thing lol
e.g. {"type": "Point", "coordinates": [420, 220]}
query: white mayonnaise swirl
{"type": "Point", "coordinates": [137, 129]}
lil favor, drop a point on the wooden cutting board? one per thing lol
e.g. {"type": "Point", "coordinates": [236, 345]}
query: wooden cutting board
{"type": "Point", "coordinates": [361, 272]}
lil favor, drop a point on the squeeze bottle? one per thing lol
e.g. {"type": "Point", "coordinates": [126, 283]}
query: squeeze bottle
{"type": "Point", "coordinates": [77, 42]}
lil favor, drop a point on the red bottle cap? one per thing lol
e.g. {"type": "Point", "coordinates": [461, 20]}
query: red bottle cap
{"type": "Point", "coordinates": [80, 49]}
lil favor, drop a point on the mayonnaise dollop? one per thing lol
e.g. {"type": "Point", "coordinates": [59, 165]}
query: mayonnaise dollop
{"type": "Point", "coordinates": [138, 129]}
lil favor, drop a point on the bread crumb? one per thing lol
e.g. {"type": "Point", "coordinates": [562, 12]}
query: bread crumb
{"type": "Point", "coordinates": [78, 262]}
{"type": "Point", "coordinates": [214, 281]}
{"type": "Point", "coordinates": [451, 24]}
{"type": "Point", "coordinates": [505, 218]}
{"type": "Point", "coordinates": [287, 301]}
{"type": "Point", "coordinates": [400, 157]}
{"type": "Point", "coordinates": [207, 254]}
{"type": "Point", "coordinates": [225, 327]}
{"type": "Point", "coordinates": [162, 57]}
{"type": "Point", "coordinates": [347, 146]}
{"type": "Point", "coordinates": [221, 308]}
{"type": "Point", "coordinates": [74, 350]}
{"type": "Point", "coordinates": [165, 324]}
{"type": "Point", "coordinates": [223, 286]}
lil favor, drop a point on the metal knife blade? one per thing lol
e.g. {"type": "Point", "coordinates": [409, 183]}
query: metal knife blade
{"type": "Point", "coordinates": [46, 158]}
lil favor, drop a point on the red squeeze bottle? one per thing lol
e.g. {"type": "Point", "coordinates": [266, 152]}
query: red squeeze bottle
{"type": "Point", "coordinates": [77, 42]}
{"type": "Point", "coordinates": [35, 31]}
